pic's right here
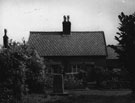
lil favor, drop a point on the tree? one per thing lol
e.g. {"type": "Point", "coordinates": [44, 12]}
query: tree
{"type": "Point", "coordinates": [35, 73]}
{"type": "Point", "coordinates": [126, 44]}
{"type": "Point", "coordinates": [16, 62]}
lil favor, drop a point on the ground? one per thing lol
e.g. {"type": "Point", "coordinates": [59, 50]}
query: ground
{"type": "Point", "coordinates": [84, 96]}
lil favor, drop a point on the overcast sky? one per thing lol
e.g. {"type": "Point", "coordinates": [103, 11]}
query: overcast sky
{"type": "Point", "coordinates": [20, 17]}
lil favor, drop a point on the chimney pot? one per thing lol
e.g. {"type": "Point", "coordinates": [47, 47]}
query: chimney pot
{"type": "Point", "coordinates": [64, 17]}
{"type": "Point", "coordinates": [68, 18]}
{"type": "Point", "coordinates": [5, 39]}
{"type": "Point", "coordinates": [5, 31]}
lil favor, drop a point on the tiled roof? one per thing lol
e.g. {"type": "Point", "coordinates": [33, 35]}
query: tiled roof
{"type": "Point", "coordinates": [75, 44]}
{"type": "Point", "coordinates": [111, 53]}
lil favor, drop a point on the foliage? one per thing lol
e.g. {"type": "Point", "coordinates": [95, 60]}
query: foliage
{"type": "Point", "coordinates": [35, 73]}
{"type": "Point", "coordinates": [126, 42]}
{"type": "Point", "coordinates": [48, 81]}
{"type": "Point", "coordinates": [71, 82]}
{"type": "Point", "coordinates": [18, 65]}
{"type": "Point", "coordinates": [111, 79]}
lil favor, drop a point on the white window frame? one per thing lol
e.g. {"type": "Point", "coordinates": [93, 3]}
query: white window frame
{"type": "Point", "coordinates": [74, 69]}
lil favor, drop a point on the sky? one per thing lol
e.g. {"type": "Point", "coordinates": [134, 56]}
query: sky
{"type": "Point", "coordinates": [20, 17]}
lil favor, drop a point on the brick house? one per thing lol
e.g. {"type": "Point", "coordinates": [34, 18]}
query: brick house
{"type": "Point", "coordinates": [73, 50]}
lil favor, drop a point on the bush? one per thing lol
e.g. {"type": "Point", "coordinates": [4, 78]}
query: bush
{"type": "Point", "coordinates": [20, 68]}
{"type": "Point", "coordinates": [48, 82]}
{"type": "Point", "coordinates": [73, 83]}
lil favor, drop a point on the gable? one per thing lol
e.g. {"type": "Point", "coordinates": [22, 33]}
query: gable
{"type": "Point", "coordinates": [111, 53]}
{"type": "Point", "coordinates": [75, 44]}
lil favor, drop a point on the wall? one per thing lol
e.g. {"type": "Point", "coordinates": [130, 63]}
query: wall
{"type": "Point", "coordinates": [99, 61]}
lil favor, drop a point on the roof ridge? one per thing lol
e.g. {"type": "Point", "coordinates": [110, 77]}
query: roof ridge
{"type": "Point", "coordinates": [71, 31]}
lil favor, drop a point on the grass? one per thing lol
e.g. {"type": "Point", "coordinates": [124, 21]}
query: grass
{"type": "Point", "coordinates": [35, 98]}
{"type": "Point", "coordinates": [100, 99]}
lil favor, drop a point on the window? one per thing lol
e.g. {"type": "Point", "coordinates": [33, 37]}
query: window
{"type": "Point", "coordinates": [54, 69]}
{"type": "Point", "coordinates": [75, 68]}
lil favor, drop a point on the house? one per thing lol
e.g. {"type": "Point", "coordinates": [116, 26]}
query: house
{"type": "Point", "coordinates": [70, 50]}
{"type": "Point", "coordinates": [112, 59]}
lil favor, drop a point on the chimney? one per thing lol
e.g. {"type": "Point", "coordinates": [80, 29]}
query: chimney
{"type": "Point", "coordinates": [66, 25]}
{"type": "Point", "coordinates": [5, 39]}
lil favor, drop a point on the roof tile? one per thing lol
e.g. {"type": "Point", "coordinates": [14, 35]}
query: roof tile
{"type": "Point", "coordinates": [75, 44]}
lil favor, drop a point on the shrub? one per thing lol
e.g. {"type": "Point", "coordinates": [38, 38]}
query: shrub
{"type": "Point", "coordinates": [18, 64]}
{"type": "Point", "coordinates": [73, 83]}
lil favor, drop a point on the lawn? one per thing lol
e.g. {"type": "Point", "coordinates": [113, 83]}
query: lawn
{"type": "Point", "coordinates": [36, 98]}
